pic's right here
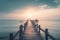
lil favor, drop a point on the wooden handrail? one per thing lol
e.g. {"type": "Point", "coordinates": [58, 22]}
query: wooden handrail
{"type": "Point", "coordinates": [15, 35]}
{"type": "Point", "coordinates": [45, 31]}
{"type": "Point", "coordinates": [20, 31]}
{"type": "Point", "coordinates": [51, 36]}
{"type": "Point", "coordinates": [12, 37]}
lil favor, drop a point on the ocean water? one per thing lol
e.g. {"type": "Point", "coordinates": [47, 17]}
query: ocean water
{"type": "Point", "coordinates": [12, 26]}
{"type": "Point", "coordinates": [7, 27]}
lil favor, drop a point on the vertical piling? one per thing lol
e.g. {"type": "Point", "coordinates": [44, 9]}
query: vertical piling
{"type": "Point", "coordinates": [20, 32]}
{"type": "Point", "coordinates": [46, 34]}
{"type": "Point", "coordinates": [39, 28]}
{"type": "Point", "coordinates": [11, 36]}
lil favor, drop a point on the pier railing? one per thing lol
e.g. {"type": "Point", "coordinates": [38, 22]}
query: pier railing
{"type": "Point", "coordinates": [20, 32]}
{"type": "Point", "coordinates": [47, 35]}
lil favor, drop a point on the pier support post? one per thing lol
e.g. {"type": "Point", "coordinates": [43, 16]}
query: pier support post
{"type": "Point", "coordinates": [20, 32]}
{"type": "Point", "coordinates": [46, 34]}
{"type": "Point", "coordinates": [11, 36]}
{"type": "Point", "coordinates": [39, 28]}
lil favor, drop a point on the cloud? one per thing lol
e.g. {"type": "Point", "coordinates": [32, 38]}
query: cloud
{"type": "Point", "coordinates": [7, 6]}
{"type": "Point", "coordinates": [57, 1]}
{"type": "Point", "coordinates": [51, 3]}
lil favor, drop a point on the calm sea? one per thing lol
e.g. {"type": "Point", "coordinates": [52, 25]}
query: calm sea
{"type": "Point", "coordinates": [12, 26]}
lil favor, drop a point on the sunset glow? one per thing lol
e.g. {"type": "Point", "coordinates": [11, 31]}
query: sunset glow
{"type": "Point", "coordinates": [33, 13]}
{"type": "Point", "coordinates": [28, 15]}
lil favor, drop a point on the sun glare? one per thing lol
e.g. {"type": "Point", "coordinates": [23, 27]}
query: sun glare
{"type": "Point", "coordinates": [28, 15]}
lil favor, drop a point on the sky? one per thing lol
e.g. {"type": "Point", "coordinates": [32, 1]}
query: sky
{"type": "Point", "coordinates": [24, 9]}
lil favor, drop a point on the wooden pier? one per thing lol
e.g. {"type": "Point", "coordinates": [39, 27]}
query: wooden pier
{"type": "Point", "coordinates": [31, 31]}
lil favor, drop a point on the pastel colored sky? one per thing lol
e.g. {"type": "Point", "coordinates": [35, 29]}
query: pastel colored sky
{"type": "Point", "coordinates": [24, 9]}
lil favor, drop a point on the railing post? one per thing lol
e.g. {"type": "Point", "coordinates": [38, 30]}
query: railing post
{"type": "Point", "coordinates": [11, 36]}
{"type": "Point", "coordinates": [46, 34]}
{"type": "Point", "coordinates": [20, 32]}
{"type": "Point", "coordinates": [39, 28]}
